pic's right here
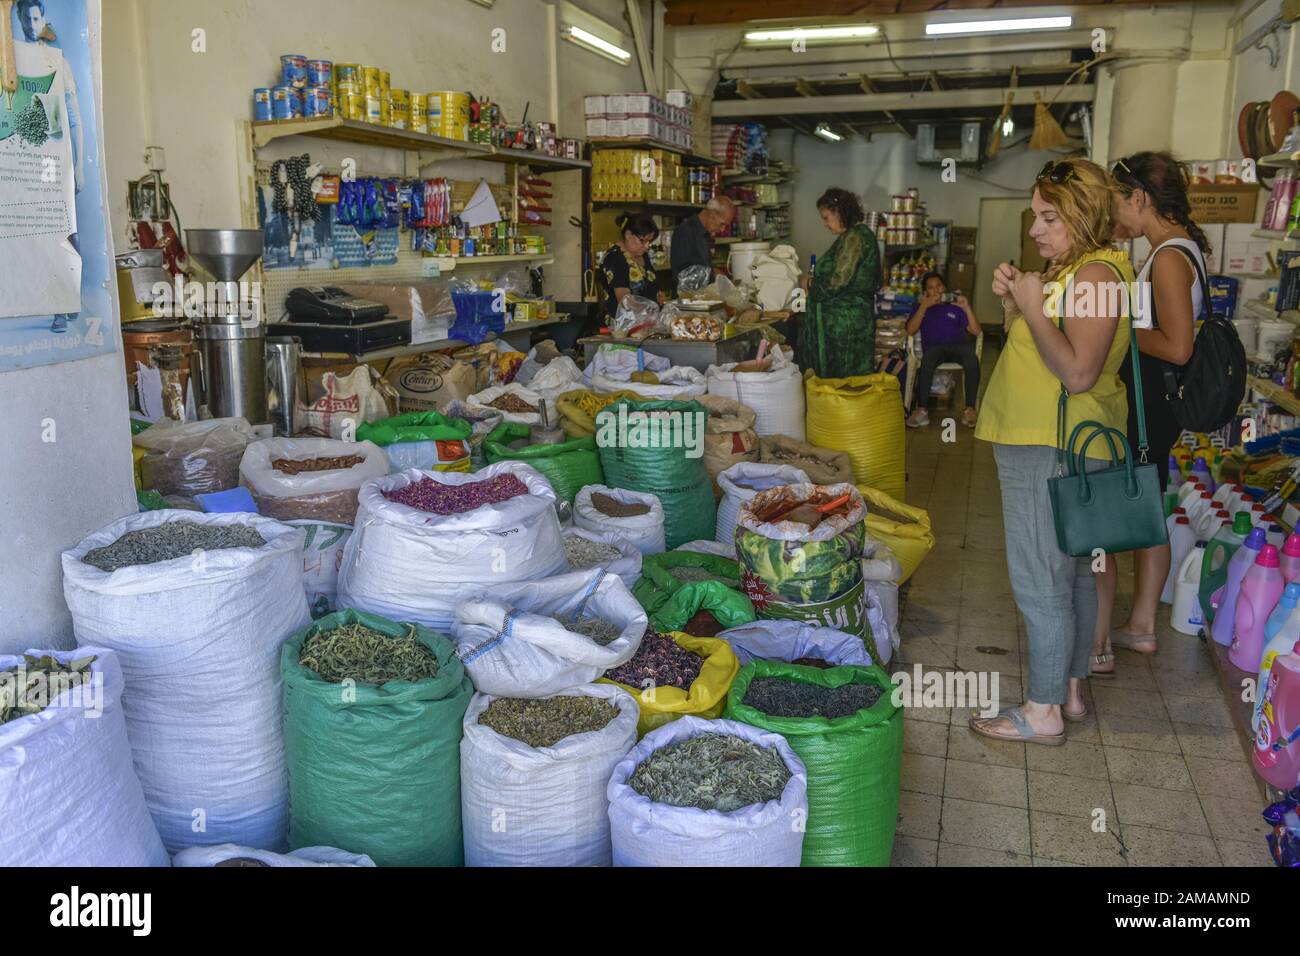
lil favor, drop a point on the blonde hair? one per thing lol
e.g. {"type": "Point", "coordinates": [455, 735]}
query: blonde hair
{"type": "Point", "coordinates": [1085, 203]}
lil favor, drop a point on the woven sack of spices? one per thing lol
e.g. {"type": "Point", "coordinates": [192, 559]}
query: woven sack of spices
{"type": "Point", "coordinates": [511, 397]}
{"type": "Point", "coordinates": [904, 528]}
{"type": "Point", "coordinates": [628, 563]}
{"type": "Point", "coordinates": [578, 408]}
{"type": "Point", "coordinates": [193, 458]}
{"type": "Point", "coordinates": [553, 799]}
{"type": "Point", "coordinates": [794, 640]}
{"type": "Point", "coordinates": [823, 466]}
{"type": "Point", "coordinates": [729, 436]}
{"type": "Point", "coordinates": [678, 383]}
{"type": "Point", "coordinates": [69, 795]}
{"type": "Point", "coordinates": [514, 644]}
{"type": "Point", "coordinates": [328, 495]}
{"type": "Point", "coordinates": [187, 631]}
{"type": "Point", "coordinates": [411, 565]}
{"type": "Point", "coordinates": [646, 833]}
{"type": "Point", "coordinates": [707, 695]}
{"type": "Point", "coordinates": [645, 531]}
{"type": "Point", "coordinates": [854, 763]}
{"type": "Point", "coordinates": [741, 482]}
{"type": "Point", "coordinates": [659, 453]}
{"type": "Point", "coordinates": [862, 416]}
{"type": "Point", "coordinates": [569, 466]}
{"type": "Point", "coordinates": [373, 768]}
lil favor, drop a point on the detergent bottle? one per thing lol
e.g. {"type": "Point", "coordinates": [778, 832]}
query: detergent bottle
{"type": "Point", "coordinates": [1280, 635]}
{"type": "Point", "coordinates": [1257, 516]}
{"type": "Point", "coordinates": [1186, 616]}
{"type": "Point", "coordinates": [1277, 729]}
{"type": "Point", "coordinates": [1189, 489]}
{"type": "Point", "coordinates": [1275, 535]}
{"type": "Point", "coordinates": [1210, 523]}
{"type": "Point", "coordinates": [1222, 495]}
{"type": "Point", "coordinates": [1171, 488]}
{"type": "Point", "coordinates": [1201, 472]}
{"type": "Point", "coordinates": [1181, 540]}
{"type": "Point", "coordinates": [1225, 614]}
{"type": "Point", "coordinates": [1214, 572]}
{"type": "Point", "coordinates": [1260, 590]}
{"type": "Point", "coordinates": [1291, 558]}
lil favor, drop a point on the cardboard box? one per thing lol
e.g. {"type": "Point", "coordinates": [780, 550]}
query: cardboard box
{"type": "Point", "coordinates": [594, 105]}
{"type": "Point", "coordinates": [616, 128]}
{"type": "Point", "coordinates": [681, 98]}
{"type": "Point", "coordinates": [597, 126]}
{"type": "Point", "coordinates": [616, 103]}
{"type": "Point", "coordinates": [1223, 202]}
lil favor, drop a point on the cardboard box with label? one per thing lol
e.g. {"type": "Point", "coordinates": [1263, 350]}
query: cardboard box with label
{"type": "Point", "coordinates": [1223, 202]}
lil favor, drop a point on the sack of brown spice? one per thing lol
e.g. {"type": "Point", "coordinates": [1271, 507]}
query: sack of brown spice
{"type": "Point", "coordinates": [515, 403]}
{"type": "Point", "coordinates": [193, 458]}
{"type": "Point", "coordinates": [301, 478]}
{"type": "Point", "coordinates": [592, 509]}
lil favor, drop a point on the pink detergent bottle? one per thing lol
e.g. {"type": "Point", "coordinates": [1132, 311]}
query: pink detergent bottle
{"type": "Point", "coordinates": [1225, 614]}
{"type": "Point", "coordinates": [1277, 725]}
{"type": "Point", "coordinates": [1291, 558]}
{"type": "Point", "coordinates": [1260, 591]}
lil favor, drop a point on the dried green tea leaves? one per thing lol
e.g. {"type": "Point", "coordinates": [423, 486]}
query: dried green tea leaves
{"type": "Point", "coordinates": [602, 632]}
{"type": "Point", "coordinates": [362, 654]}
{"type": "Point", "coordinates": [28, 688]}
{"type": "Point", "coordinates": [166, 542]}
{"type": "Point", "coordinates": [546, 721]}
{"type": "Point", "coordinates": [720, 772]}
{"type": "Point", "coordinates": [781, 697]}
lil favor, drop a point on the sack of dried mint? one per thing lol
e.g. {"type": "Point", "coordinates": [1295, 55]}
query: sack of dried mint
{"type": "Point", "coordinates": [675, 802]}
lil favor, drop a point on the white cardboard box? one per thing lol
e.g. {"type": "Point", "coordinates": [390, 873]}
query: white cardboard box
{"type": "Point", "coordinates": [640, 125]}
{"type": "Point", "coordinates": [597, 126]}
{"type": "Point", "coordinates": [594, 105]}
{"type": "Point", "coordinates": [681, 98]}
{"type": "Point", "coordinates": [616, 128]}
{"type": "Point", "coordinates": [616, 103]}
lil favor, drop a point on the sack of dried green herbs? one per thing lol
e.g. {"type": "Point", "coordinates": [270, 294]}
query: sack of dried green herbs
{"type": "Point", "coordinates": [515, 642]}
{"type": "Point", "coordinates": [69, 795]}
{"type": "Point", "coordinates": [590, 549]}
{"type": "Point", "coordinates": [551, 799]}
{"type": "Point", "coordinates": [794, 640]}
{"type": "Point", "coordinates": [650, 833]}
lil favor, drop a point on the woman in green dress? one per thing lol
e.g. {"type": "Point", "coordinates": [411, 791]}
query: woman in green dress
{"type": "Point", "coordinates": [838, 334]}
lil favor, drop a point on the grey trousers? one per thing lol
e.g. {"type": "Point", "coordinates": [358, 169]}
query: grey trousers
{"type": "Point", "coordinates": [1055, 593]}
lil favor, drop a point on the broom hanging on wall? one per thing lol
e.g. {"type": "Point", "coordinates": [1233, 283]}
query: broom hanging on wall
{"type": "Point", "coordinates": [1047, 131]}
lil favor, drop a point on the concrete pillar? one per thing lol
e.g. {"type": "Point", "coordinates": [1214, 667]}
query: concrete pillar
{"type": "Point", "coordinates": [1142, 107]}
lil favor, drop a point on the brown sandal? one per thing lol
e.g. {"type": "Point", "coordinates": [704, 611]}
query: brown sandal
{"type": "Point", "coordinates": [1100, 659]}
{"type": "Point", "coordinates": [1020, 724]}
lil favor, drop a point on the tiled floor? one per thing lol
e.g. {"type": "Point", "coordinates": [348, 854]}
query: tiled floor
{"type": "Point", "coordinates": [1157, 776]}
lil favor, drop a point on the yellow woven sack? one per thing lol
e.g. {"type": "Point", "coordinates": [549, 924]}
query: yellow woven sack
{"type": "Point", "coordinates": [708, 694]}
{"type": "Point", "coordinates": [904, 528]}
{"type": "Point", "coordinates": [862, 416]}
{"type": "Point", "coordinates": [579, 407]}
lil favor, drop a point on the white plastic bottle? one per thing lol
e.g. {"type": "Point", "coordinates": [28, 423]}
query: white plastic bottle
{"type": "Point", "coordinates": [1182, 539]}
{"type": "Point", "coordinates": [1185, 617]}
{"type": "Point", "coordinates": [1189, 489]}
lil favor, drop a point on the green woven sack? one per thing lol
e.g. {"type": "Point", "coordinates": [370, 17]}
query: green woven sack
{"type": "Point", "coordinates": [803, 572]}
{"type": "Point", "coordinates": [853, 763]}
{"type": "Point", "coordinates": [730, 608]}
{"type": "Point", "coordinates": [644, 459]}
{"type": "Point", "coordinates": [569, 466]}
{"type": "Point", "coordinates": [376, 769]}
{"type": "Point", "coordinates": [414, 426]}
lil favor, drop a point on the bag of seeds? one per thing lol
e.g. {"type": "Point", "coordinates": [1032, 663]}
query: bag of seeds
{"type": "Point", "coordinates": [603, 549]}
{"type": "Point", "coordinates": [193, 458]}
{"type": "Point", "coordinates": [722, 802]}
{"type": "Point", "coordinates": [796, 641]}
{"type": "Point", "coordinates": [408, 562]}
{"type": "Point", "coordinates": [309, 478]}
{"type": "Point", "coordinates": [69, 795]}
{"type": "Point", "coordinates": [228, 854]}
{"type": "Point", "coordinates": [741, 482]}
{"type": "Point", "coordinates": [534, 775]}
{"type": "Point", "coordinates": [322, 556]}
{"type": "Point", "coordinates": [538, 638]}
{"type": "Point", "coordinates": [729, 436]}
{"type": "Point", "coordinates": [658, 452]}
{"type": "Point", "coordinates": [569, 466]}
{"type": "Point", "coordinates": [515, 403]}
{"type": "Point", "coordinates": [675, 675]}
{"type": "Point", "coordinates": [427, 440]}
{"type": "Point", "coordinates": [636, 516]}
{"type": "Point", "coordinates": [854, 757]}
{"type": "Point", "coordinates": [372, 726]}
{"type": "Point", "coordinates": [196, 606]}
{"type": "Point", "coordinates": [823, 466]}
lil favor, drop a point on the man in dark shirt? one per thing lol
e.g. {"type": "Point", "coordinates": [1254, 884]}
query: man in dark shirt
{"type": "Point", "coordinates": [946, 336]}
{"type": "Point", "coordinates": [692, 242]}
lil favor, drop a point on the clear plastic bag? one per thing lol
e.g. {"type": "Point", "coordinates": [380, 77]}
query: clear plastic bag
{"type": "Point", "coordinates": [636, 317]}
{"type": "Point", "coordinates": [461, 284]}
{"type": "Point", "coordinates": [514, 281]}
{"type": "Point", "coordinates": [193, 458]}
{"type": "Point", "coordinates": [694, 278]}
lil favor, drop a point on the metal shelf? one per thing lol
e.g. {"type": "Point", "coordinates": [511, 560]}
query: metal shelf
{"type": "Point", "coordinates": [1272, 234]}
{"type": "Point", "coordinates": [689, 158]}
{"type": "Point", "coordinates": [543, 257]}
{"type": "Point", "coordinates": [1279, 159]}
{"type": "Point", "coordinates": [648, 203]}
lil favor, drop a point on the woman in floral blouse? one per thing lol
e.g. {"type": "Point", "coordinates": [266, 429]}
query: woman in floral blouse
{"type": "Point", "coordinates": [626, 267]}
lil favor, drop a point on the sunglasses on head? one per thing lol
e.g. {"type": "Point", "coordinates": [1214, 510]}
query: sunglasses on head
{"type": "Point", "coordinates": [1056, 173]}
{"type": "Point", "coordinates": [1122, 173]}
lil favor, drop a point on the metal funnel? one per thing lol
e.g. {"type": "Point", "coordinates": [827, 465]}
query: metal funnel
{"type": "Point", "coordinates": [225, 253]}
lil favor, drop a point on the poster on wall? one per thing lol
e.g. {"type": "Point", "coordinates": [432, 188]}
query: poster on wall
{"type": "Point", "coordinates": [56, 297]}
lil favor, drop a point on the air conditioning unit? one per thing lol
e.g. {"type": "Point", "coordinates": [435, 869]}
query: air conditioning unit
{"type": "Point", "coordinates": [936, 143]}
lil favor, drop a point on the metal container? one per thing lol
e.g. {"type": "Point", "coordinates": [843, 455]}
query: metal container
{"type": "Point", "coordinates": [262, 104]}
{"type": "Point", "coordinates": [293, 70]}
{"type": "Point", "coordinates": [285, 386]}
{"type": "Point", "coordinates": [231, 375]}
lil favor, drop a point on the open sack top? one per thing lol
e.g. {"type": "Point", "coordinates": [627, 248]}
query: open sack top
{"type": "Point", "coordinates": [259, 473]}
{"type": "Point", "coordinates": [374, 506]}
{"type": "Point", "coordinates": [832, 525]}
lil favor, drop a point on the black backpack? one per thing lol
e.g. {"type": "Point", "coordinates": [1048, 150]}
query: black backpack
{"type": "Point", "coordinates": [1205, 393]}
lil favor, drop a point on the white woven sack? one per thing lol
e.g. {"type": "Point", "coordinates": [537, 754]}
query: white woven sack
{"type": "Point", "coordinates": [880, 573]}
{"type": "Point", "coordinates": [620, 363]}
{"type": "Point", "coordinates": [482, 402]}
{"type": "Point", "coordinates": [256, 471]}
{"type": "Point", "coordinates": [199, 642]}
{"type": "Point", "coordinates": [541, 806]}
{"type": "Point", "coordinates": [679, 383]}
{"type": "Point", "coordinates": [69, 795]}
{"type": "Point", "coordinates": [709, 547]}
{"type": "Point", "coordinates": [560, 375]}
{"type": "Point", "coordinates": [791, 640]}
{"type": "Point", "coordinates": [512, 645]}
{"type": "Point", "coordinates": [776, 396]}
{"type": "Point", "coordinates": [752, 473]}
{"type": "Point", "coordinates": [645, 531]}
{"type": "Point", "coordinates": [206, 856]}
{"type": "Point", "coordinates": [322, 555]}
{"type": "Point", "coordinates": [627, 565]}
{"type": "Point", "coordinates": [412, 565]}
{"type": "Point", "coordinates": [656, 834]}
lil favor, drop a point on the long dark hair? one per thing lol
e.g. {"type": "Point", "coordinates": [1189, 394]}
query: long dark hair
{"type": "Point", "coordinates": [1164, 179]}
{"type": "Point", "coordinates": [639, 224]}
{"type": "Point", "coordinates": [844, 204]}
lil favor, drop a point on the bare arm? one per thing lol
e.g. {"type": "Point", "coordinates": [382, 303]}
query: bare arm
{"type": "Point", "coordinates": [914, 323]}
{"type": "Point", "coordinates": [972, 323]}
{"type": "Point", "coordinates": [1172, 278]}
{"type": "Point", "coordinates": [1076, 355]}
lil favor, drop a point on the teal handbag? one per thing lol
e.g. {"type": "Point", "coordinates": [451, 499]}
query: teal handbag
{"type": "Point", "coordinates": [1118, 508]}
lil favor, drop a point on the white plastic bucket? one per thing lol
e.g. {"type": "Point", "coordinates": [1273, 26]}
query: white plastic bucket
{"type": "Point", "coordinates": [1273, 335]}
{"type": "Point", "coordinates": [741, 259]}
{"type": "Point", "coordinates": [1248, 332]}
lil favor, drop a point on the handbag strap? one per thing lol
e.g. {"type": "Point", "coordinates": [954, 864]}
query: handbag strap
{"type": "Point", "coordinates": [1169, 372]}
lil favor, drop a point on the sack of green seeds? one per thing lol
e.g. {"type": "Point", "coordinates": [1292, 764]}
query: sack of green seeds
{"type": "Point", "coordinates": [569, 466]}
{"type": "Point", "coordinates": [375, 769]}
{"type": "Point", "coordinates": [854, 763]}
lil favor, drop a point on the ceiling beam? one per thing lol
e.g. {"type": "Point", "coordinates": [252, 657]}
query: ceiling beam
{"type": "Point", "coordinates": [747, 91]}
{"type": "Point", "coordinates": [879, 102]}
{"type": "Point", "coordinates": [804, 88]}
{"type": "Point", "coordinates": [685, 13]}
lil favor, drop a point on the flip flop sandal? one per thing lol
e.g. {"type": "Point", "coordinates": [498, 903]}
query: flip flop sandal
{"type": "Point", "coordinates": [1023, 732]}
{"type": "Point", "coordinates": [1076, 718]}
{"type": "Point", "coordinates": [1143, 644]}
{"type": "Point", "coordinates": [1097, 659]}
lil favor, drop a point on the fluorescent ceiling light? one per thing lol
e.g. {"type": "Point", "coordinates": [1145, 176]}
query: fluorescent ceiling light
{"type": "Point", "coordinates": [1008, 126]}
{"type": "Point", "coordinates": [595, 44]}
{"type": "Point", "coordinates": [998, 26]}
{"type": "Point", "coordinates": [485, 3]}
{"type": "Point", "coordinates": [826, 133]}
{"type": "Point", "coordinates": [855, 32]}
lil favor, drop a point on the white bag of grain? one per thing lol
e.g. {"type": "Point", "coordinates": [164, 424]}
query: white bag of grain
{"type": "Point", "coordinates": [645, 531]}
{"type": "Point", "coordinates": [199, 641]}
{"type": "Point", "coordinates": [776, 396]}
{"type": "Point", "coordinates": [628, 563]}
{"type": "Point", "coordinates": [541, 806]}
{"type": "Point", "coordinates": [69, 795]}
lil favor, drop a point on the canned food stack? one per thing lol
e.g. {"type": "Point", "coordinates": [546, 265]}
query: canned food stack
{"type": "Point", "coordinates": [639, 116]}
{"type": "Point", "coordinates": [306, 89]}
{"type": "Point", "coordinates": [906, 220]}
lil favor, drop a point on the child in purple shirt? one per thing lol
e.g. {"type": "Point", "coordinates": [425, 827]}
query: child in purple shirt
{"type": "Point", "coordinates": [947, 335]}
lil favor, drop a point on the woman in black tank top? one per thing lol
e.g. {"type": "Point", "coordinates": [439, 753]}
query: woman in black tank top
{"type": "Point", "coordinates": [1152, 202]}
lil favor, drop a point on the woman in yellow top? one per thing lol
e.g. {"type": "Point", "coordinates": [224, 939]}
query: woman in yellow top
{"type": "Point", "coordinates": [1067, 327]}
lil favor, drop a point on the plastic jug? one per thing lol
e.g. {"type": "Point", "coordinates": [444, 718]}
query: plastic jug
{"type": "Point", "coordinates": [1280, 635]}
{"type": "Point", "coordinates": [1222, 495]}
{"type": "Point", "coordinates": [1260, 590]}
{"type": "Point", "coordinates": [1189, 489]}
{"type": "Point", "coordinates": [1214, 572]}
{"type": "Point", "coordinates": [1210, 523]}
{"type": "Point", "coordinates": [1291, 558]}
{"type": "Point", "coordinates": [1197, 505]}
{"type": "Point", "coordinates": [1186, 616]}
{"type": "Point", "coordinates": [1277, 729]}
{"type": "Point", "coordinates": [1201, 472]}
{"type": "Point", "coordinates": [1225, 615]}
{"type": "Point", "coordinates": [1181, 540]}
{"type": "Point", "coordinates": [1257, 516]}
{"type": "Point", "coordinates": [1276, 537]}
{"type": "Point", "coordinates": [1171, 487]}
